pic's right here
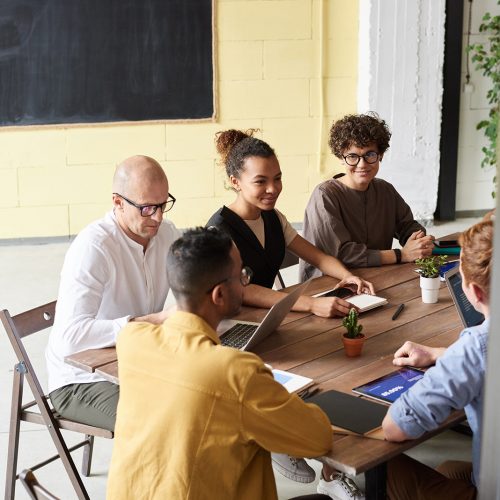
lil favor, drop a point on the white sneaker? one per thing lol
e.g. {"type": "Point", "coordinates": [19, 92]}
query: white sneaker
{"type": "Point", "coordinates": [296, 469]}
{"type": "Point", "coordinates": [341, 487]}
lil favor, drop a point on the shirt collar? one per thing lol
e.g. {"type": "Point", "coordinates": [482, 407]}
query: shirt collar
{"type": "Point", "coordinates": [189, 321]}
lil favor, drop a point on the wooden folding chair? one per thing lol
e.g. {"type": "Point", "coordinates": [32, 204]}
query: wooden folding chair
{"type": "Point", "coordinates": [18, 327]}
{"type": "Point", "coordinates": [35, 490]}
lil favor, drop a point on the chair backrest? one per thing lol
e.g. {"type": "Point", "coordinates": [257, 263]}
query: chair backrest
{"type": "Point", "coordinates": [34, 488]}
{"type": "Point", "coordinates": [24, 324]}
{"type": "Point", "coordinates": [31, 321]}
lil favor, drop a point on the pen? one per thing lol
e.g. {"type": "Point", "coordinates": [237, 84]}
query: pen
{"type": "Point", "coordinates": [398, 311]}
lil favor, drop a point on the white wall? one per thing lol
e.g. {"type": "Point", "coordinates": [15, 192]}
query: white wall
{"type": "Point", "coordinates": [474, 184]}
{"type": "Point", "coordinates": [401, 51]}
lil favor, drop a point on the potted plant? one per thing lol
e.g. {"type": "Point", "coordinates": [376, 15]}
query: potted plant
{"type": "Point", "coordinates": [428, 268]}
{"type": "Point", "coordinates": [353, 339]}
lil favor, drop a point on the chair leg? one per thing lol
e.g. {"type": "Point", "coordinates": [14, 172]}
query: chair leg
{"type": "Point", "coordinates": [87, 455]}
{"type": "Point", "coordinates": [15, 422]}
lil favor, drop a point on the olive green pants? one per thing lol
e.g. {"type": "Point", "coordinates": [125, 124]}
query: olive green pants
{"type": "Point", "coordinates": [91, 404]}
{"type": "Point", "coordinates": [408, 479]}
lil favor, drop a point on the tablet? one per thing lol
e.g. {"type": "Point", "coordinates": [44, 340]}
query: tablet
{"type": "Point", "coordinates": [389, 387]}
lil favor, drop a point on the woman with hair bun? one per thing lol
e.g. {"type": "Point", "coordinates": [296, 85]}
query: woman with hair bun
{"type": "Point", "coordinates": [262, 233]}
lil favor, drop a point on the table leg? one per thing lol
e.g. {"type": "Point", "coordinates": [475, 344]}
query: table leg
{"type": "Point", "coordinates": [375, 482]}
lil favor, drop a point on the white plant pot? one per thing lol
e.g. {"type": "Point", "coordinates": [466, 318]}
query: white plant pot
{"type": "Point", "coordinates": [430, 289]}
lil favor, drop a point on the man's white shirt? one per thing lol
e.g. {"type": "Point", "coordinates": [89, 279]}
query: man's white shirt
{"type": "Point", "coordinates": [106, 279]}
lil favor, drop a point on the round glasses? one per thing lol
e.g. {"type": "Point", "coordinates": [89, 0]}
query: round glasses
{"type": "Point", "coordinates": [353, 159]}
{"type": "Point", "coordinates": [149, 210]}
{"type": "Point", "coordinates": [245, 278]}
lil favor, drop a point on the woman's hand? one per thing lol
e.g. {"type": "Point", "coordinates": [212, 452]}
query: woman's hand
{"type": "Point", "coordinates": [418, 355]}
{"type": "Point", "coordinates": [328, 307]}
{"type": "Point", "coordinates": [418, 245]}
{"type": "Point", "coordinates": [360, 284]}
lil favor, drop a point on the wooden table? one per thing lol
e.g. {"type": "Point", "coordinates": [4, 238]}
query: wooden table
{"type": "Point", "coordinates": [312, 346]}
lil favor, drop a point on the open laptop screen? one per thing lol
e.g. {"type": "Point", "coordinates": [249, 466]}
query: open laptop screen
{"type": "Point", "coordinates": [468, 315]}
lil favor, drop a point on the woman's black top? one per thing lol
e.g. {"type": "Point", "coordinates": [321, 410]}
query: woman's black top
{"type": "Point", "coordinates": [264, 261]}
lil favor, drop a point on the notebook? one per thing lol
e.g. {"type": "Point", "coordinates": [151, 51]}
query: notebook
{"type": "Point", "coordinates": [468, 315]}
{"type": "Point", "coordinates": [389, 387]}
{"type": "Point", "coordinates": [364, 301]}
{"type": "Point", "coordinates": [352, 413]}
{"type": "Point", "coordinates": [244, 335]}
{"type": "Point", "coordinates": [292, 382]}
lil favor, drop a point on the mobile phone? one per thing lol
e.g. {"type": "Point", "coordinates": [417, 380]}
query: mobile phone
{"type": "Point", "coordinates": [342, 293]}
{"type": "Point", "coordinates": [446, 243]}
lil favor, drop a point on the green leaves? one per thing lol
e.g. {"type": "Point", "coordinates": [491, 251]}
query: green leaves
{"type": "Point", "coordinates": [487, 59]}
{"type": "Point", "coordinates": [428, 267]}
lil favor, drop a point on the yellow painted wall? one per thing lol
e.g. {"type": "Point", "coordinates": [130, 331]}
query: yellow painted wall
{"type": "Point", "coordinates": [54, 181]}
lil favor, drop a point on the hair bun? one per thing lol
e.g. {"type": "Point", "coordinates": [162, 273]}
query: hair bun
{"type": "Point", "coordinates": [225, 140]}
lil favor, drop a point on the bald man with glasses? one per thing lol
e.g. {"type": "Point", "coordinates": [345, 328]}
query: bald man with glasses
{"type": "Point", "coordinates": [113, 273]}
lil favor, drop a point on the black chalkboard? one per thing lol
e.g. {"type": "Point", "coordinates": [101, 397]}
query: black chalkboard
{"type": "Point", "coordinates": [88, 61]}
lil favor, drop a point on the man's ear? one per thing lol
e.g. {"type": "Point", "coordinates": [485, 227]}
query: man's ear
{"type": "Point", "coordinates": [117, 202]}
{"type": "Point", "coordinates": [218, 295]}
{"type": "Point", "coordinates": [478, 292]}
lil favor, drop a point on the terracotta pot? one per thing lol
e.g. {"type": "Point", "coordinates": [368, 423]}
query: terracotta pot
{"type": "Point", "coordinates": [430, 289]}
{"type": "Point", "coordinates": [353, 347]}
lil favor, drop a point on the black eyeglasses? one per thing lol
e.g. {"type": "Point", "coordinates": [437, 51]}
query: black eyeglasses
{"type": "Point", "coordinates": [149, 210]}
{"type": "Point", "coordinates": [245, 278]}
{"type": "Point", "coordinates": [353, 159]}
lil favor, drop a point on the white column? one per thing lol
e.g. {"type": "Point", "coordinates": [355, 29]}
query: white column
{"type": "Point", "coordinates": [401, 51]}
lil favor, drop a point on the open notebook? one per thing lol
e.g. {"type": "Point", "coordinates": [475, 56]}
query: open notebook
{"type": "Point", "coordinates": [364, 301]}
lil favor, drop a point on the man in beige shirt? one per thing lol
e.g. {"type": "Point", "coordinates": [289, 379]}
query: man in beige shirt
{"type": "Point", "coordinates": [196, 419]}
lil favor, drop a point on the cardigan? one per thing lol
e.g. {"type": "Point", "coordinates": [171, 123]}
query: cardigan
{"type": "Point", "coordinates": [264, 261]}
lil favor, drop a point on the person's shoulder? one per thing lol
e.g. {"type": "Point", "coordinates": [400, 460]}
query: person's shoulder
{"type": "Point", "coordinates": [216, 218]}
{"type": "Point", "coordinates": [97, 232]}
{"type": "Point", "coordinates": [383, 185]}
{"type": "Point", "coordinates": [475, 337]}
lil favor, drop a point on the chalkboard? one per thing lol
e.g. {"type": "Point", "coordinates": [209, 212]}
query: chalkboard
{"type": "Point", "coordinates": [91, 61]}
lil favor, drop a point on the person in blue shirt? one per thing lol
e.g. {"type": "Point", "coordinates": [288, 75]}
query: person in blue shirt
{"type": "Point", "coordinates": [456, 381]}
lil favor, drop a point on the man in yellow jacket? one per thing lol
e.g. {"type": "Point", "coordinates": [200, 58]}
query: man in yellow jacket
{"type": "Point", "coordinates": [195, 419]}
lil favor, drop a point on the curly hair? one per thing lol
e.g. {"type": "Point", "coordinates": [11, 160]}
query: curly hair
{"type": "Point", "coordinates": [359, 130]}
{"type": "Point", "coordinates": [476, 255]}
{"type": "Point", "coordinates": [235, 146]}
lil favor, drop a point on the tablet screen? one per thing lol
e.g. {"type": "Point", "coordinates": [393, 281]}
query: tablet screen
{"type": "Point", "coordinates": [389, 387]}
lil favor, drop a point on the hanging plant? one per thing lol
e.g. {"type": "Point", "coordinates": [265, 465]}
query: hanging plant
{"type": "Point", "coordinates": [487, 59]}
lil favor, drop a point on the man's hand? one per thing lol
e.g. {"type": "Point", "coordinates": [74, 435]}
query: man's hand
{"type": "Point", "coordinates": [157, 318]}
{"type": "Point", "coordinates": [418, 245]}
{"type": "Point", "coordinates": [360, 285]}
{"type": "Point", "coordinates": [412, 354]}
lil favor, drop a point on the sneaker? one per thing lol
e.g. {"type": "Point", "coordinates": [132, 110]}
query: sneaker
{"type": "Point", "coordinates": [341, 487]}
{"type": "Point", "coordinates": [296, 469]}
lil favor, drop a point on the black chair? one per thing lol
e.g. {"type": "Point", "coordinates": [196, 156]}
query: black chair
{"type": "Point", "coordinates": [39, 411]}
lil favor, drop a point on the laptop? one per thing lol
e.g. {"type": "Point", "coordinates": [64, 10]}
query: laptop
{"type": "Point", "coordinates": [244, 335]}
{"type": "Point", "coordinates": [468, 315]}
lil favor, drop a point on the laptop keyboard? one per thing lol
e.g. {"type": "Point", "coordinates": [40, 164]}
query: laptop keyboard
{"type": "Point", "coordinates": [238, 335]}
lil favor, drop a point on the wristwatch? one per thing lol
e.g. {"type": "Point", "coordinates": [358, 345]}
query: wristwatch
{"type": "Point", "coordinates": [398, 254]}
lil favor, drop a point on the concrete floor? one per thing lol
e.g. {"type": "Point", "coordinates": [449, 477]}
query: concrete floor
{"type": "Point", "coordinates": [29, 276]}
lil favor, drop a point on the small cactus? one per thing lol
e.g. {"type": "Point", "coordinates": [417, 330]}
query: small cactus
{"type": "Point", "coordinates": [350, 322]}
